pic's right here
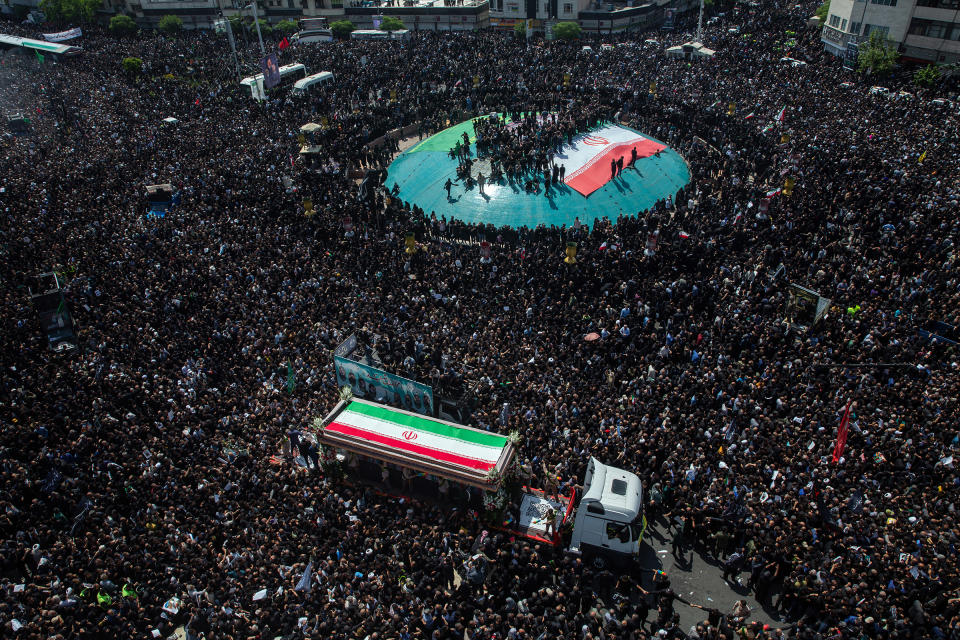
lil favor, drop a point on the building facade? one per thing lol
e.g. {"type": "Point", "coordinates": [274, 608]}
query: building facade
{"type": "Point", "coordinates": [925, 30]}
{"type": "Point", "coordinates": [594, 16]}
{"type": "Point", "coordinates": [422, 15]}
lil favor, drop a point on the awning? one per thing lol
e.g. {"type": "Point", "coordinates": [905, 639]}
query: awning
{"type": "Point", "coordinates": [437, 447]}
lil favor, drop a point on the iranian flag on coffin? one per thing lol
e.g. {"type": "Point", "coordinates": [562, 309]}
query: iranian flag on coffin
{"type": "Point", "coordinates": [419, 435]}
{"type": "Point", "coordinates": [587, 160]}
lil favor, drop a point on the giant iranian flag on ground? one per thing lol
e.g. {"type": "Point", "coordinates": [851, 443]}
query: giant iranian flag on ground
{"type": "Point", "coordinates": [419, 435]}
{"type": "Point", "coordinates": [587, 160]}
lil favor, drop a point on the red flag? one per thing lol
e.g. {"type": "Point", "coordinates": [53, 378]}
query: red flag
{"type": "Point", "coordinates": [284, 43]}
{"type": "Point", "coordinates": [197, 102]}
{"type": "Point", "coordinates": [842, 434]}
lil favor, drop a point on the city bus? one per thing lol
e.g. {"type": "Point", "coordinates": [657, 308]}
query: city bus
{"type": "Point", "coordinates": [312, 35]}
{"type": "Point", "coordinates": [289, 74]}
{"type": "Point", "coordinates": [376, 34]}
{"type": "Point", "coordinates": [301, 87]}
{"type": "Point", "coordinates": [42, 47]}
{"type": "Point", "coordinates": [369, 34]}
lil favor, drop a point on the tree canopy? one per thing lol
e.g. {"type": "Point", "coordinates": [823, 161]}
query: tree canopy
{"type": "Point", "coordinates": [391, 24]}
{"type": "Point", "coordinates": [878, 56]}
{"type": "Point", "coordinates": [342, 28]}
{"type": "Point", "coordinates": [170, 24]}
{"type": "Point", "coordinates": [286, 26]}
{"type": "Point", "coordinates": [566, 30]}
{"type": "Point", "coordinates": [122, 23]}
{"type": "Point", "coordinates": [70, 10]}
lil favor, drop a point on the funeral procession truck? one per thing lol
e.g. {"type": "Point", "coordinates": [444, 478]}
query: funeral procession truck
{"type": "Point", "coordinates": [422, 455]}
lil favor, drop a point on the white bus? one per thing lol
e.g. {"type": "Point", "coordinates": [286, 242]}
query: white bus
{"type": "Point", "coordinates": [376, 34]}
{"type": "Point", "coordinates": [37, 46]}
{"type": "Point", "coordinates": [301, 87]}
{"type": "Point", "coordinates": [369, 34]}
{"type": "Point", "coordinates": [307, 36]}
{"type": "Point", "coordinates": [289, 74]}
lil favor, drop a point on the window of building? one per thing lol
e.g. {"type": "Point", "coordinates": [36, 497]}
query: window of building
{"type": "Point", "coordinates": [884, 3]}
{"type": "Point", "coordinates": [855, 28]}
{"type": "Point", "coordinates": [934, 29]}
{"type": "Point", "coordinates": [875, 28]}
{"type": "Point", "coordinates": [835, 21]}
{"type": "Point", "coordinates": [843, 25]}
{"type": "Point", "coordinates": [939, 4]}
{"type": "Point", "coordinates": [567, 7]}
{"type": "Point", "coordinates": [918, 27]}
{"type": "Point", "coordinates": [937, 29]}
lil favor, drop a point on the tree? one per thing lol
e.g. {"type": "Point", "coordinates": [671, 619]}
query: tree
{"type": "Point", "coordinates": [170, 24]}
{"type": "Point", "coordinates": [265, 27]}
{"type": "Point", "coordinates": [879, 56]}
{"type": "Point", "coordinates": [390, 23]}
{"type": "Point", "coordinates": [132, 66]}
{"type": "Point", "coordinates": [566, 30]}
{"type": "Point", "coordinates": [342, 28]}
{"type": "Point", "coordinates": [927, 76]}
{"type": "Point", "coordinates": [70, 10]}
{"type": "Point", "coordinates": [520, 29]}
{"type": "Point", "coordinates": [823, 11]}
{"type": "Point", "coordinates": [121, 24]}
{"type": "Point", "coordinates": [286, 26]}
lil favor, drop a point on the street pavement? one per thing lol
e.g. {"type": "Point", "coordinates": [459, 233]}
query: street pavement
{"type": "Point", "coordinates": [697, 580]}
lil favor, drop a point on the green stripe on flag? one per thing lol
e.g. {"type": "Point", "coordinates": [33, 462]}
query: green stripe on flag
{"type": "Point", "coordinates": [430, 426]}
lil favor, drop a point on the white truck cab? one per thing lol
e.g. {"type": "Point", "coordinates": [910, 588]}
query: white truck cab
{"type": "Point", "coordinates": [609, 517]}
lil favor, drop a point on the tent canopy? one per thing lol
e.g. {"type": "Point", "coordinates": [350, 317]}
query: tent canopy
{"type": "Point", "coordinates": [428, 445]}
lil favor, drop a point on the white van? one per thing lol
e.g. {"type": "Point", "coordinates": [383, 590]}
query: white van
{"type": "Point", "coordinates": [302, 86]}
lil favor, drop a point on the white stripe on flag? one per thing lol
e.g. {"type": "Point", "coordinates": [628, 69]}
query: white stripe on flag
{"type": "Point", "coordinates": [420, 437]}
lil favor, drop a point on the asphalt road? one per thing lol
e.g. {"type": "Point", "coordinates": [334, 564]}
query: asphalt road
{"type": "Point", "coordinates": [697, 580]}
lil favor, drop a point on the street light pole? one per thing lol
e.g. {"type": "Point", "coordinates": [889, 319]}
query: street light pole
{"type": "Point", "coordinates": [700, 24]}
{"type": "Point", "coordinates": [233, 45]}
{"type": "Point", "coordinates": [256, 21]}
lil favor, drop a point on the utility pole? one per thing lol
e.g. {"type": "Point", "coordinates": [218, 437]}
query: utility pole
{"type": "Point", "coordinates": [256, 21]}
{"type": "Point", "coordinates": [233, 45]}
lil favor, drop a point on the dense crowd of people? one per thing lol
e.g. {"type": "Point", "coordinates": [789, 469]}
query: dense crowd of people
{"type": "Point", "coordinates": [142, 486]}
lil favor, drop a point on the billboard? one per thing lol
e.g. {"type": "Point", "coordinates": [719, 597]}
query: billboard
{"type": "Point", "coordinates": [271, 71]}
{"type": "Point", "coordinates": [850, 56]}
{"type": "Point", "coordinates": [371, 383]}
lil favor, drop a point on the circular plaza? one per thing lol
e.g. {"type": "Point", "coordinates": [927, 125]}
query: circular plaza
{"type": "Point", "coordinates": [592, 185]}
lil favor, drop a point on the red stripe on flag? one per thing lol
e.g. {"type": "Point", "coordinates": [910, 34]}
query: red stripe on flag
{"type": "Point", "coordinates": [596, 172]}
{"type": "Point", "coordinates": [436, 454]}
